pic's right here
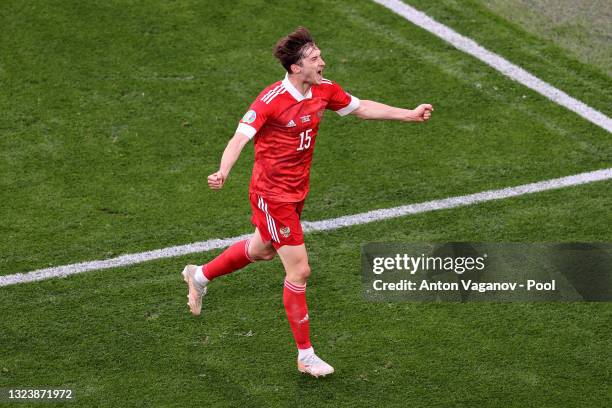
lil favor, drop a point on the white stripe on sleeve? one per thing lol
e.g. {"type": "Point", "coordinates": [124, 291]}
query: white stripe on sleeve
{"type": "Point", "coordinates": [354, 104]}
{"type": "Point", "coordinates": [247, 130]}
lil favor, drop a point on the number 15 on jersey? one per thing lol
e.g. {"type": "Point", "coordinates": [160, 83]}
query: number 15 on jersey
{"type": "Point", "coordinates": [305, 140]}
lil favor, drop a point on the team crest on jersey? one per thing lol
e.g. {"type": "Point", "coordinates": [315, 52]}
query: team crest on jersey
{"type": "Point", "coordinates": [305, 118]}
{"type": "Point", "coordinates": [249, 117]}
{"type": "Point", "coordinates": [285, 231]}
{"type": "Point", "coordinates": [291, 123]}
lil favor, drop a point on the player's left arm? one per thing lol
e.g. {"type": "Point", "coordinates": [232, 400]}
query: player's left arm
{"type": "Point", "coordinates": [376, 110]}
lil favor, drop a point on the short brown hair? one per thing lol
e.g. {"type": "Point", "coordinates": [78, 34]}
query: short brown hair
{"type": "Point", "coordinates": [290, 49]}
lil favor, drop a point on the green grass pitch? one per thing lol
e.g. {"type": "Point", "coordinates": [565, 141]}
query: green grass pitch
{"type": "Point", "coordinates": [114, 113]}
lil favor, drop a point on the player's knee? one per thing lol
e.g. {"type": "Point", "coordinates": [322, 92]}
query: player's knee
{"type": "Point", "coordinates": [303, 272]}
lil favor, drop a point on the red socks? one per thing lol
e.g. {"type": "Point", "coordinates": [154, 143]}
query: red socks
{"type": "Point", "coordinates": [294, 299]}
{"type": "Point", "coordinates": [233, 258]}
{"type": "Point", "coordinates": [294, 295]}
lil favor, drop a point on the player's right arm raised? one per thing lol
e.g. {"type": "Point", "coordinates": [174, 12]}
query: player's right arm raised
{"type": "Point", "coordinates": [230, 155]}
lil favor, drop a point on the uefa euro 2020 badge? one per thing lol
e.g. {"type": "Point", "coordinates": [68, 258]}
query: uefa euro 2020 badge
{"type": "Point", "coordinates": [249, 117]}
{"type": "Point", "coordinates": [285, 231]}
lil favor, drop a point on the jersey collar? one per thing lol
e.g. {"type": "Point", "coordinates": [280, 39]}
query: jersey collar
{"type": "Point", "coordinates": [294, 92]}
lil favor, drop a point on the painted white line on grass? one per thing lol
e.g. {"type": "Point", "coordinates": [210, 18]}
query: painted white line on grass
{"type": "Point", "coordinates": [458, 201]}
{"type": "Point", "coordinates": [499, 63]}
{"type": "Point", "coordinates": [310, 226]}
{"type": "Point", "coordinates": [123, 260]}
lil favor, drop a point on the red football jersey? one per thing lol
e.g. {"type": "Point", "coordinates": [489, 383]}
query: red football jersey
{"type": "Point", "coordinates": [285, 124]}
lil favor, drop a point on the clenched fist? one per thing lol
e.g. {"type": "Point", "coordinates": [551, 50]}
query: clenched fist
{"type": "Point", "coordinates": [423, 112]}
{"type": "Point", "coordinates": [216, 180]}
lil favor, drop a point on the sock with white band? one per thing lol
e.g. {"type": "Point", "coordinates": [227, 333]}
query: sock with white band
{"type": "Point", "coordinates": [303, 353]}
{"type": "Point", "coordinates": [200, 279]}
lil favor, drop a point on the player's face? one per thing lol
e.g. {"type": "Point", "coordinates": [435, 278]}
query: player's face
{"type": "Point", "coordinates": [312, 66]}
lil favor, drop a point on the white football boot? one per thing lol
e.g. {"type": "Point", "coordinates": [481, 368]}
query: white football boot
{"type": "Point", "coordinates": [314, 366]}
{"type": "Point", "coordinates": [196, 290]}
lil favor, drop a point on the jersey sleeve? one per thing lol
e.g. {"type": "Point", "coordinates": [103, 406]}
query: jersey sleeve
{"type": "Point", "coordinates": [341, 101]}
{"type": "Point", "coordinates": [254, 119]}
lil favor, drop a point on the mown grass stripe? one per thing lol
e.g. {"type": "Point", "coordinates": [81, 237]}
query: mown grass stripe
{"type": "Point", "coordinates": [311, 226]}
{"type": "Point", "coordinates": [499, 63]}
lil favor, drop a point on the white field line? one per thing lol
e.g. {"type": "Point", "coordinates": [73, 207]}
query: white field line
{"type": "Point", "coordinates": [310, 226]}
{"type": "Point", "coordinates": [499, 63]}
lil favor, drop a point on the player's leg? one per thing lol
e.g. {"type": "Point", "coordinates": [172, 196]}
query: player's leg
{"type": "Point", "coordinates": [239, 255]}
{"type": "Point", "coordinates": [259, 249]}
{"type": "Point", "coordinates": [295, 261]}
{"type": "Point", "coordinates": [236, 257]}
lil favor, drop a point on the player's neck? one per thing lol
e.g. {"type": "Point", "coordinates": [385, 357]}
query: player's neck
{"type": "Point", "coordinates": [299, 84]}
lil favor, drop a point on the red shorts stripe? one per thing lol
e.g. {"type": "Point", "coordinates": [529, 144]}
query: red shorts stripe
{"type": "Point", "coordinates": [270, 221]}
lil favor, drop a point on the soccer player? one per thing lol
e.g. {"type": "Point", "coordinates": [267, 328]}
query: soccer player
{"type": "Point", "coordinates": [283, 122]}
